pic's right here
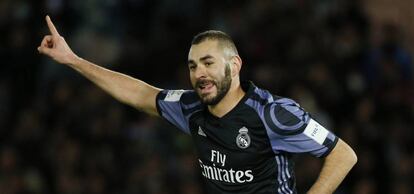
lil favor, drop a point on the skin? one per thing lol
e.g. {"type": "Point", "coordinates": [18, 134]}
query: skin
{"type": "Point", "coordinates": [126, 89]}
{"type": "Point", "coordinates": [335, 167]}
{"type": "Point", "coordinates": [207, 61]}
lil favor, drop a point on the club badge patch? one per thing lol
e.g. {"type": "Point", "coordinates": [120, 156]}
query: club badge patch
{"type": "Point", "coordinates": [243, 139]}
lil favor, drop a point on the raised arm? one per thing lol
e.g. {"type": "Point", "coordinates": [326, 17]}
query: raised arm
{"type": "Point", "coordinates": [124, 88]}
{"type": "Point", "coordinates": [336, 166]}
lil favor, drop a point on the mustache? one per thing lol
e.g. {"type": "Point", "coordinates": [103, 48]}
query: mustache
{"type": "Point", "coordinates": [201, 82]}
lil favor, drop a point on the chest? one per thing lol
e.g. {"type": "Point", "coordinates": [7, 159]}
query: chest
{"type": "Point", "coordinates": [238, 140]}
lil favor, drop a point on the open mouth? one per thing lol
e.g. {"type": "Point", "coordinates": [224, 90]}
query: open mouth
{"type": "Point", "coordinates": [205, 86]}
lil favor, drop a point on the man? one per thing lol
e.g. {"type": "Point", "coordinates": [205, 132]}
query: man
{"type": "Point", "coordinates": [244, 135]}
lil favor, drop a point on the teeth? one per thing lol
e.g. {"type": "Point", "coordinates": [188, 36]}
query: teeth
{"type": "Point", "coordinates": [204, 84]}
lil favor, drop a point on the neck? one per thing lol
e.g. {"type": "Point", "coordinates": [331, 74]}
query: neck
{"type": "Point", "coordinates": [229, 101]}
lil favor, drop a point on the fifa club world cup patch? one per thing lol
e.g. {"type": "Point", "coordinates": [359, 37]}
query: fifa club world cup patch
{"type": "Point", "coordinates": [243, 139]}
{"type": "Point", "coordinates": [174, 95]}
{"type": "Point", "coordinates": [316, 131]}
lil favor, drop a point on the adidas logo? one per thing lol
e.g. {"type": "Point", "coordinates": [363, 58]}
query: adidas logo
{"type": "Point", "coordinates": [201, 132]}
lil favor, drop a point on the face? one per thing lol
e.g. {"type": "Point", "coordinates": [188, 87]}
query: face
{"type": "Point", "coordinates": [210, 72]}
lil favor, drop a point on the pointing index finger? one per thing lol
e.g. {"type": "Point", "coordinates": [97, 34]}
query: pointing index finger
{"type": "Point", "coordinates": [52, 27]}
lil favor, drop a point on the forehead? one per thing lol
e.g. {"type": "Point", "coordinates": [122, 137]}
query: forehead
{"type": "Point", "coordinates": [207, 47]}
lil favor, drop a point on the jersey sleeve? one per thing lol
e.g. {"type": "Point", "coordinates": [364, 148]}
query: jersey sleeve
{"type": "Point", "coordinates": [176, 107]}
{"type": "Point", "coordinates": [291, 129]}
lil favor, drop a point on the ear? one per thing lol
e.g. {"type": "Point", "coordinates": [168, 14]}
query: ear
{"type": "Point", "coordinates": [236, 63]}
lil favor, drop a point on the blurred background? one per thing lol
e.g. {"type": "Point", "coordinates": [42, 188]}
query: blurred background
{"type": "Point", "coordinates": [347, 62]}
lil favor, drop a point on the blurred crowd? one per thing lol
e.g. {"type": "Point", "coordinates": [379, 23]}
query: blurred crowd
{"type": "Point", "coordinates": [59, 133]}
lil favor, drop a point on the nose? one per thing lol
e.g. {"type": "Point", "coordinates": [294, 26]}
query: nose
{"type": "Point", "coordinates": [200, 72]}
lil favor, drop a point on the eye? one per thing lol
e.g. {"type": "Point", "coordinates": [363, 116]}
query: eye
{"type": "Point", "coordinates": [208, 63]}
{"type": "Point", "coordinates": [192, 67]}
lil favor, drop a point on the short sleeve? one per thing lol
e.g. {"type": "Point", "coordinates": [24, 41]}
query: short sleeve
{"type": "Point", "coordinates": [176, 107]}
{"type": "Point", "coordinates": [291, 129]}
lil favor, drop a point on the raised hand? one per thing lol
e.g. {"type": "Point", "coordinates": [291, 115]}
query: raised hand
{"type": "Point", "coordinates": [55, 46]}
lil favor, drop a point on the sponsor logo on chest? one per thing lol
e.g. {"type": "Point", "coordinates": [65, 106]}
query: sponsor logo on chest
{"type": "Point", "coordinates": [218, 171]}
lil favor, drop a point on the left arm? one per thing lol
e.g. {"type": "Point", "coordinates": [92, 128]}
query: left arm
{"type": "Point", "coordinates": [293, 130]}
{"type": "Point", "coordinates": [336, 166]}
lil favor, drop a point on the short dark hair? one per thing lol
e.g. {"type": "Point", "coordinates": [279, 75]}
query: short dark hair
{"type": "Point", "coordinates": [223, 39]}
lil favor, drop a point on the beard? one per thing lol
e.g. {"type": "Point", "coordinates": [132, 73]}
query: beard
{"type": "Point", "coordinates": [222, 86]}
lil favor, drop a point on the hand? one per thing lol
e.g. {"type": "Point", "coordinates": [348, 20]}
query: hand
{"type": "Point", "coordinates": [55, 46]}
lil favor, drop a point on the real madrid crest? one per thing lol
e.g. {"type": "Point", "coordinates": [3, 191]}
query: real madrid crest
{"type": "Point", "coordinates": [243, 139]}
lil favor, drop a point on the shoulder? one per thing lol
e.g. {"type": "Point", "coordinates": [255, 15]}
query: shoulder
{"type": "Point", "coordinates": [284, 116]}
{"type": "Point", "coordinates": [260, 98]}
{"type": "Point", "coordinates": [280, 114]}
{"type": "Point", "coordinates": [183, 96]}
{"type": "Point", "coordinates": [185, 101]}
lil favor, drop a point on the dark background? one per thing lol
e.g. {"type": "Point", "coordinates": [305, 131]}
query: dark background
{"type": "Point", "coordinates": [347, 62]}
